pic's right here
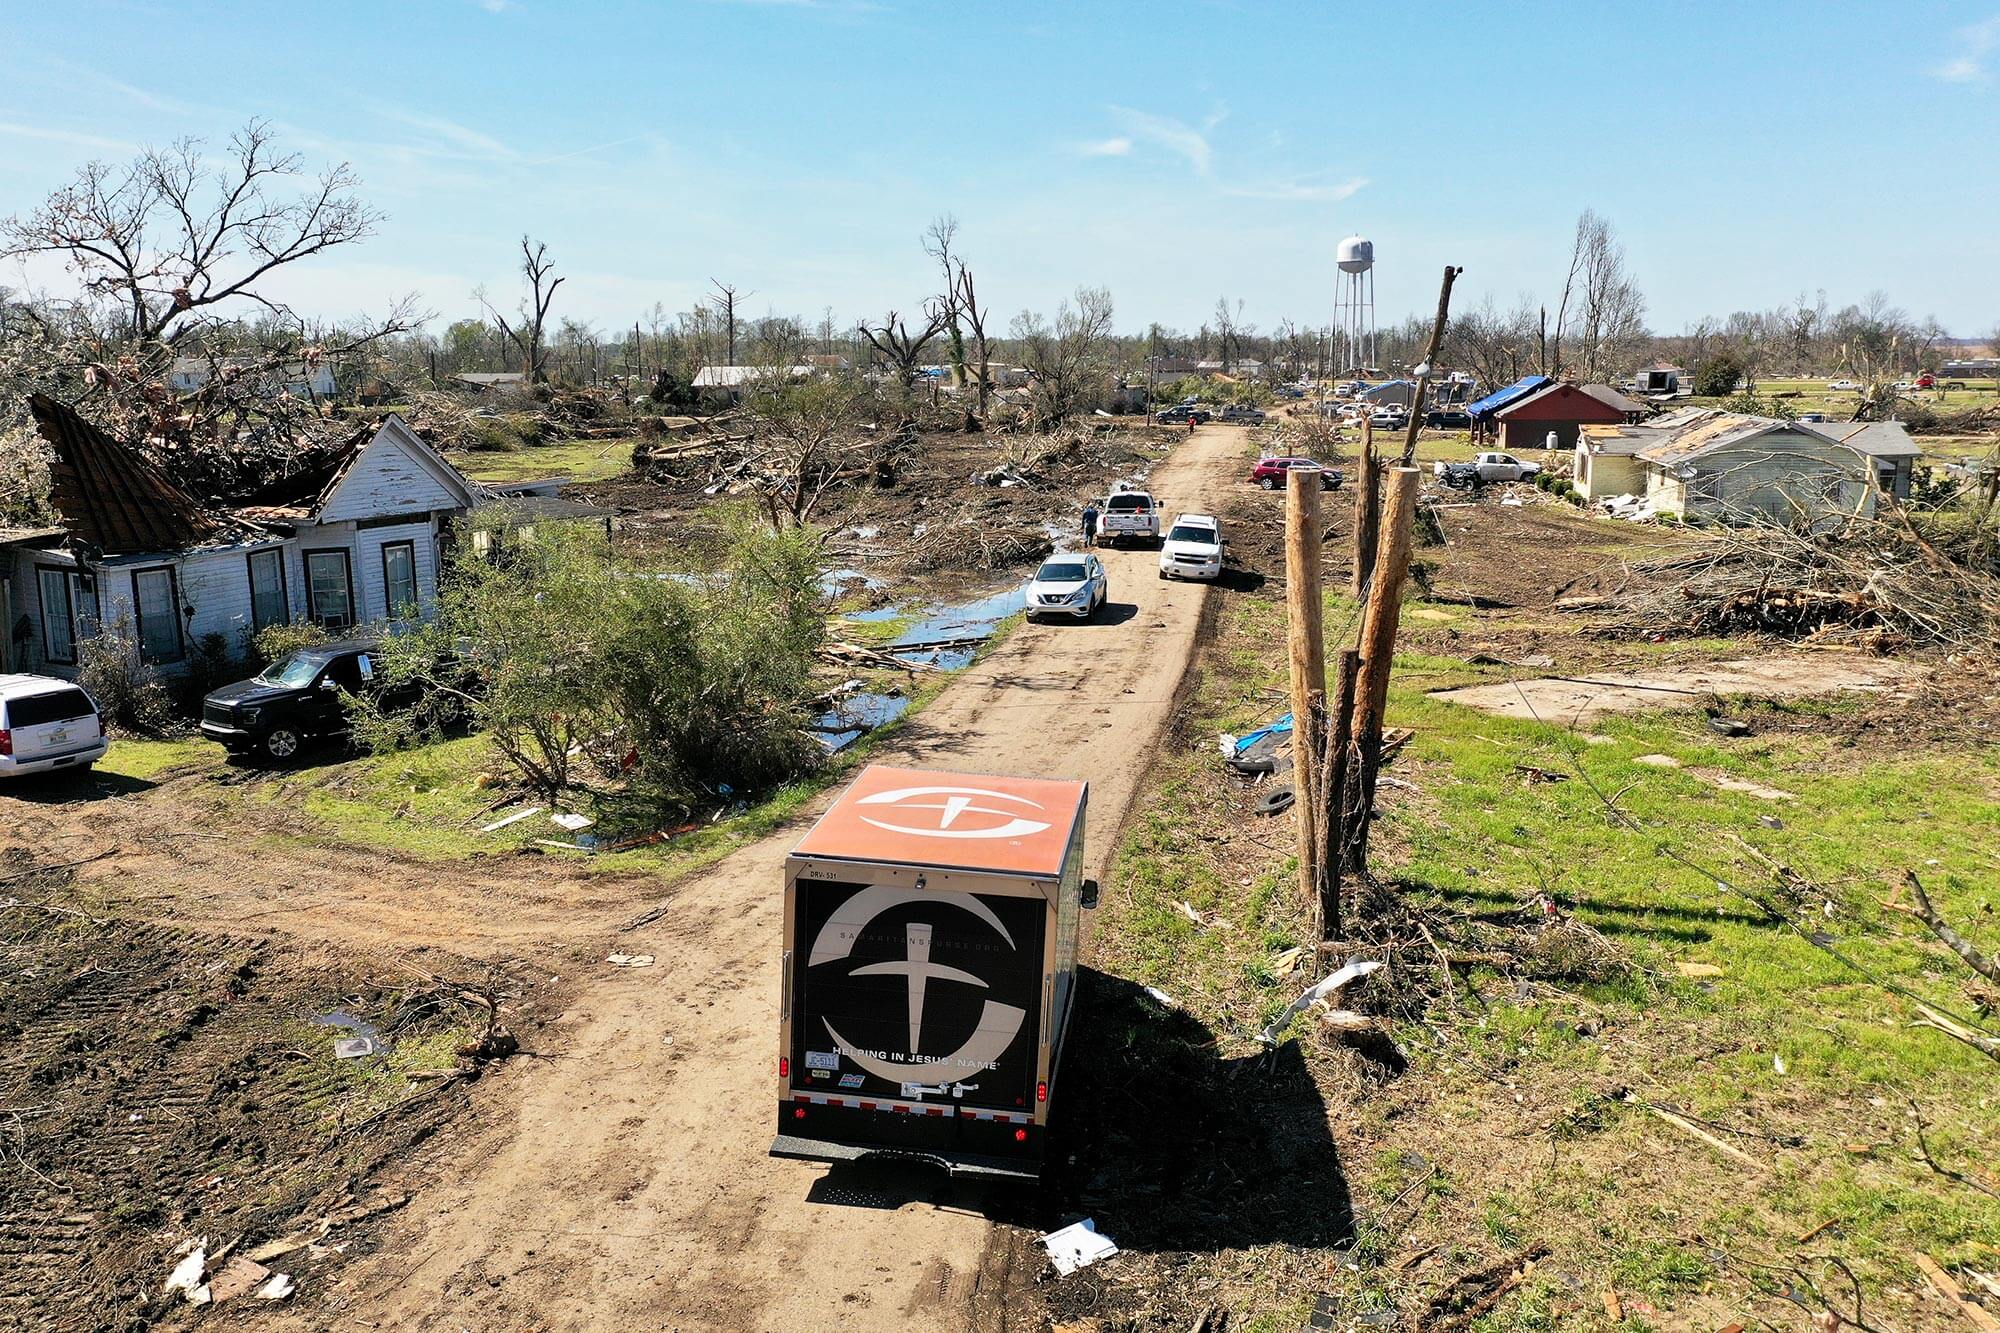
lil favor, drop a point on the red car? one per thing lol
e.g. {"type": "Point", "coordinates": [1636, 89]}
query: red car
{"type": "Point", "coordinates": [1270, 473]}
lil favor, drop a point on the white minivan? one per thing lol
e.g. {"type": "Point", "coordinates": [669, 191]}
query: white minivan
{"type": "Point", "coordinates": [47, 724]}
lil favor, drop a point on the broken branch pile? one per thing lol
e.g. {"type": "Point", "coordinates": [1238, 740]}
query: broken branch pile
{"type": "Point", "coordinates": [1878, 582]}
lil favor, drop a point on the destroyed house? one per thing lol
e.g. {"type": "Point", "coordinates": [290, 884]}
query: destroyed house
{"type": "Point", "coordinates": [1707, 465]}
{"type": "Point", "coordinates": [355, 536]}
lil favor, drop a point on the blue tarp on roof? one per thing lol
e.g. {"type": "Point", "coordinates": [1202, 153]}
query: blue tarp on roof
{"type": "Point", "coordinates": [1499, 398]}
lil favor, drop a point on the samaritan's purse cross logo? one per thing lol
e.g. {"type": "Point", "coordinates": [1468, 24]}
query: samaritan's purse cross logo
{"type": "Point", "coordinates": [998, 1023]}
{"type": "Point", "coordinates": [952, 812]}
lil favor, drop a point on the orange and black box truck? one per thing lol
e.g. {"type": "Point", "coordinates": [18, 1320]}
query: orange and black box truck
{"type": "Point", "coordinates": [929, 970]}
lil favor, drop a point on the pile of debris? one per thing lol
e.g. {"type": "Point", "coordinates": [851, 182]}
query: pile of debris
{"type": "Point", "coordinates": [1878, 583]}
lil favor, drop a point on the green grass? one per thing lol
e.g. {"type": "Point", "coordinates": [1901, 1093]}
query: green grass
{"type": "Point", "coordinates": [578, 460]}
{"type": "Point", "coordinates": [1476, 836]}
{"type": "Point", "coordinates": [429, 802]}
{"type": "Point", "coordinates": [146, 760]}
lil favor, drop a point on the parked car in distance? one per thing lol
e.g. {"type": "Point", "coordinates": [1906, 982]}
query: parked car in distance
{"type": "Point", "coordinates": [47, 724]}
{"type": "Point", "coordinates": [1290, 391]}
{"type": "Point", "coordinates": [1270, 473]}
{"type": "Point", "coordinates": [1448, 418]}
{"type": "Point", "coordinates": [1504, 467]}
{"type": "Point", "coordinates": [1192, 549]}
{"type": "Point", "coordinates": [1810, 418]}
{"type": "Point", "coordinates": [1068, 585]}
{"type": "Point", "coordinates": [296, 701]}
{"type": "Point", "coordinates": [1128, 516]}
{"type": "Point", "coordinates": [1847, 385]}
{"type": "Point", "coordinates": [1181, 413]}
{"type": "Point", "coordinates": [1390, 414]}
{"type": "Point", "coordinates": [1238, 415]}
{"type": "Point", "coordinates": [1927, 381]}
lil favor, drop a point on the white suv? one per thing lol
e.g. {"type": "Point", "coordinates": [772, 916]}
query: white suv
{"type": "Point", "coordinates": [1192, 549]}
{"type": "Point", "coordinates": [47, 724]}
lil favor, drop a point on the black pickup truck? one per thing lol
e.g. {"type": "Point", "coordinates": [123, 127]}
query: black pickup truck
{"type": "Point", "coordinates": [295, 701]}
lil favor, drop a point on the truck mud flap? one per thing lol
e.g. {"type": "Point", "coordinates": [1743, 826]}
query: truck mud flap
{"type": "Point", "coordinates": [958, 1164]}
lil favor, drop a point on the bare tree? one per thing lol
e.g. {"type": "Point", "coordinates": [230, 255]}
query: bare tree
{"type": "Point", "coordinates": [962, 307]}
{"type": "Point", "coordinates": [1225, 332]}
{"type": "Point", "coordinates": [899, 348]}
{"type": "Point", "coordinates": [539, 271]}
{"type": "Point", "coordinates": [170, 238]}
{"type": "Point", "coordinates": [724, 301]}
{"type": "Point", "coordinates": [1065, 360]}
{"type": "Point", "coordinates": [174, 252]}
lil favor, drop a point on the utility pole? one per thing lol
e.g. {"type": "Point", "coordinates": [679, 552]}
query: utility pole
{"type": "Point", "coordinates": [1303, 606]}
{"type": "Point", "coordinates": [1425, 366]}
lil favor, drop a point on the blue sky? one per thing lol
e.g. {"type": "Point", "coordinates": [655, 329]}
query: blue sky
{"type": "Point", "coordinates": [1172, 152]}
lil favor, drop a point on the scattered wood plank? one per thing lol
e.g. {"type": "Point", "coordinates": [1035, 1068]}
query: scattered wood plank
{"type": "Point", "coordinates": [1952, 1292]}
{"type": "Point", "coordinates": [1688, 1126]}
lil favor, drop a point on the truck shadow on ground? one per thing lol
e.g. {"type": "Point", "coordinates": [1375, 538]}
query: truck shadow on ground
{"type": "Point", "coordinates": [1166, 1145]}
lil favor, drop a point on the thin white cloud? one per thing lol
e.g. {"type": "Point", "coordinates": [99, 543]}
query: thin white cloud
{"type": "Point", "coordinates": [71, 137]}
{"type": "Point", "coordinates": [152, 101]}
{"type": "Point", "coordinates": [1299, 191]}
{"type": "Point", "coordinates": [461, 139]}
{"type": "Point", "coordinates": [823, 6]}
{"type": "Point", "coordinates": [1115, 147]}
{"type": "Point", "coordinates": [1175, 136]}
{"type": "Point", "coordinates": [496, 6]}
{"type": "Point", "coordinates": [1976, 44]}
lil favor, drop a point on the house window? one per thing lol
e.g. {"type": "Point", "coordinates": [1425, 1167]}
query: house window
{"type": "Point", "coordinates": [330, 589]}
{"type": "Point", "coordinates": [158, 612]}
{"type": "Point", "coordinates": [399, 579]}
{"type": "Point", "coordinates": [267, 589]}
{"type": "Point", "coordinates": [58, 615]}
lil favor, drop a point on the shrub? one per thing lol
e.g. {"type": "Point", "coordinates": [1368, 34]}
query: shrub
{"type": "Point", "coordinates": [682, 680]}
{"type": "Point", "coordinates": [274, 643]}
{"type": "Point", "coordinates": [1718, 376]}
{"type": "Point", "coordinates": [129, 693]}
{"type": "Point", "coordinates": [493, 437]}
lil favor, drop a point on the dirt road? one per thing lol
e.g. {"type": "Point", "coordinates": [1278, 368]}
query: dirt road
{"type": "Point", "coordinates": [623, 1183]}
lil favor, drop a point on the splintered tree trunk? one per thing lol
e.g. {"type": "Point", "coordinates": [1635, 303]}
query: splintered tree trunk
{"type": "Point", "coordinates": [1333, 798]}
{"type": "Point", "coordinates": [1367, 512]}
{"type": "Point", "coordinates": [1378, 646]}
{"type": "Point", "coordinates": [1308, 658]}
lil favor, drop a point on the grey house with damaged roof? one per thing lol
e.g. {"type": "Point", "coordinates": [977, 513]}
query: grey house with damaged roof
{"type": "Point", "coordinates": [1708, 465]}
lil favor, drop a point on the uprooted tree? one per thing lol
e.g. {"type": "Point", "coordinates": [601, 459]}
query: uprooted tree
{"type": "Point", "coordinates": [174, 253]}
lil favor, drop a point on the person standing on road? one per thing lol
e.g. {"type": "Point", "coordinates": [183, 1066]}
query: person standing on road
{"type": "Point", "coordinates": [1090, 525]}
{"type": "Point", "coordinates": [1190, 423]}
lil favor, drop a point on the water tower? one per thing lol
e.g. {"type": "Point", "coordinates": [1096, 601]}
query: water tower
{"type": "Point", "coordinates": [1354, 305]}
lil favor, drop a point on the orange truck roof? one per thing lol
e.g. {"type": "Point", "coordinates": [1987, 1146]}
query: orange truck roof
{"type": "Point", "coordinates": [962, 821]}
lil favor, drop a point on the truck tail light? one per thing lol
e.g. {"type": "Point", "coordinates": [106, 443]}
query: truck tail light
{"type": "Point", "coordinates": [798, 1113]}
{"type": "Point", "coordinates": [6, 741]}
{"type": "Point", "coordinates": [1020, 1136]}
{"type": "Point", "coordinates": [1042, 1091]}
{"type": "Point", "coordinates": [784, 1066]}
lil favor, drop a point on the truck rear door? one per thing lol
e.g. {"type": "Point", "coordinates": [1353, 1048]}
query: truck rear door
{"type": "Point", "coordinates": [917, 996]}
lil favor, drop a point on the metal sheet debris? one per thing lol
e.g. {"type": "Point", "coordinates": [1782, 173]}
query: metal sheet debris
{"type": "Point", "coordinates": [514, 818]}
{"type": "Point", "coordinates": [1078, 1245]}
{"type": "Point", "coordinates": [1353, 971]}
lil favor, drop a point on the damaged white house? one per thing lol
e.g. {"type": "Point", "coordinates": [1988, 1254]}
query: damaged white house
{"type": "Point", "coordinates": [354, 537]}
